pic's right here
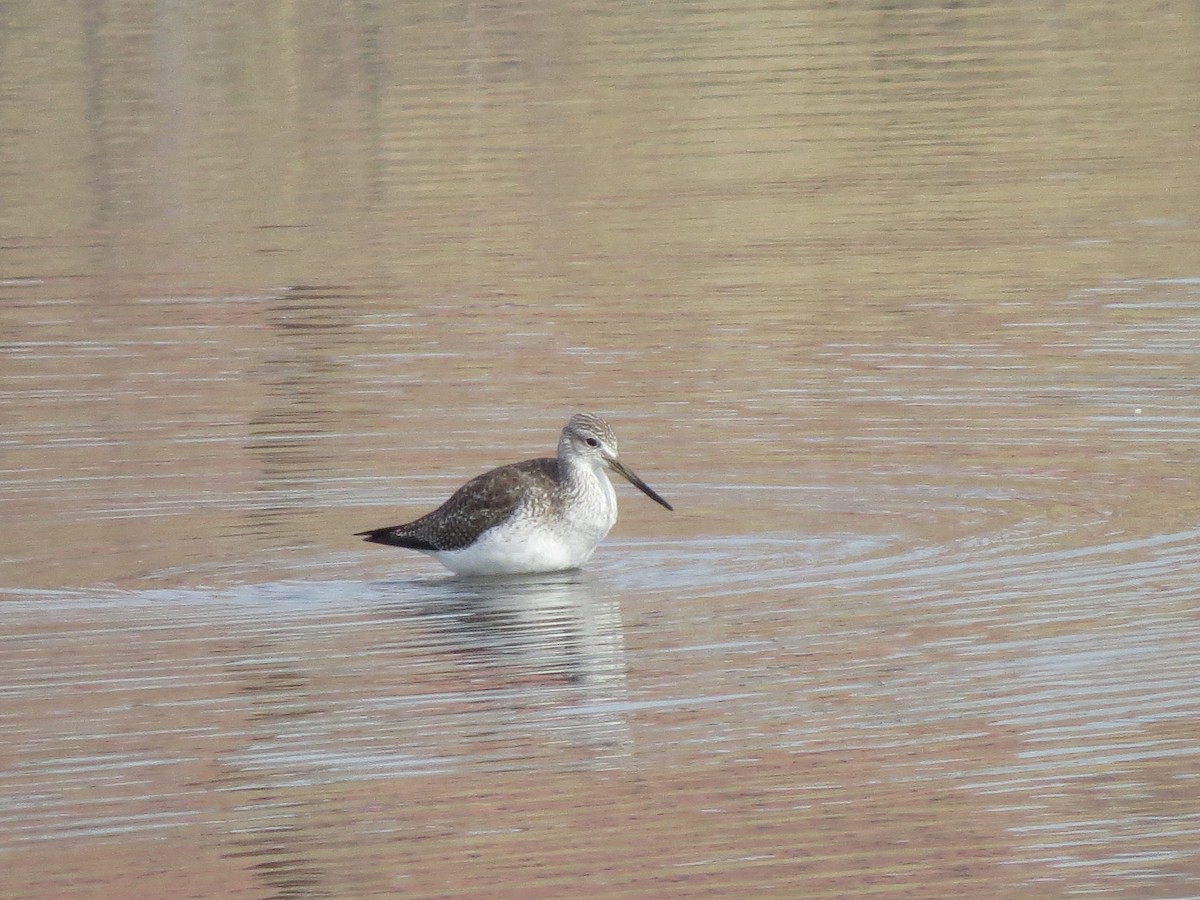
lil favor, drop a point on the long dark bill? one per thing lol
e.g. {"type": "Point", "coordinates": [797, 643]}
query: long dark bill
{"type": "Point", "coordinates": [617, 466]}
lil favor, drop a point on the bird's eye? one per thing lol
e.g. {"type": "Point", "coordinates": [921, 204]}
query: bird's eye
{"type": "Point", "coordinates": [592, 442]}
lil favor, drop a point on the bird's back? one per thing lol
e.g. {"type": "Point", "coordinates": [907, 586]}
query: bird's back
{"type": "Point", "coordinates": [483, 502]}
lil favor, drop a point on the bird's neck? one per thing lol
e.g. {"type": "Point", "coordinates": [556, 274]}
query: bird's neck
{"type": "Point", "coordinates": [580, 475]}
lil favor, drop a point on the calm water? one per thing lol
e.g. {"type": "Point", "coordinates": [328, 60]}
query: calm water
{"type": "Point", "coordinates": [900, 307]}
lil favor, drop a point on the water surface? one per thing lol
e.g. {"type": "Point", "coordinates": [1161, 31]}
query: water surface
{"type": "Point", "coordinates": [898, 306]}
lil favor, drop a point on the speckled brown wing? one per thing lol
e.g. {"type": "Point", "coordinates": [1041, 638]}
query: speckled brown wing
{"type": "Point", "coordinates": [482, 502]}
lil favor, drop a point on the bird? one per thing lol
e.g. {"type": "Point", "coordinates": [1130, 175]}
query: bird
{"type": "Point", "coordinates": [540, 515]}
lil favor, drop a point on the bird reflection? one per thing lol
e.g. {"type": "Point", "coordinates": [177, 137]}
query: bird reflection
{"type": "Point", "coordinates": [554, 625]}
{"type": "Point", "coordinates": [532, 657]}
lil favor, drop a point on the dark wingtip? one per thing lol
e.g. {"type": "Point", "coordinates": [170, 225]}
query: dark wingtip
{"type": "Point", "coordinates": [393, 537]}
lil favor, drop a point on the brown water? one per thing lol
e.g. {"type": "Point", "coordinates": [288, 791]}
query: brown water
{"type": "Point", "coordinates": [899, 306]}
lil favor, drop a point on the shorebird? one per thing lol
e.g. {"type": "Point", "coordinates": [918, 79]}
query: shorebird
{"type": "Point", "coordinates": [540, 515]}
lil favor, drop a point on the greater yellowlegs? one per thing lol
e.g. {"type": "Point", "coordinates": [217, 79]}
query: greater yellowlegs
{"type": "Point", "coordinates": [540, 515]}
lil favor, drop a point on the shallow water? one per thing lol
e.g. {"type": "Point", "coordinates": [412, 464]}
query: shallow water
{"type": "Point", "coordinates": [899, 307]}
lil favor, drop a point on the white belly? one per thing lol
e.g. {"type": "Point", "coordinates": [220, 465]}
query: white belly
{"type": "Point", "coordinates": [512, 551]}
{"type": "Point", "coordinates": [528, 545]}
